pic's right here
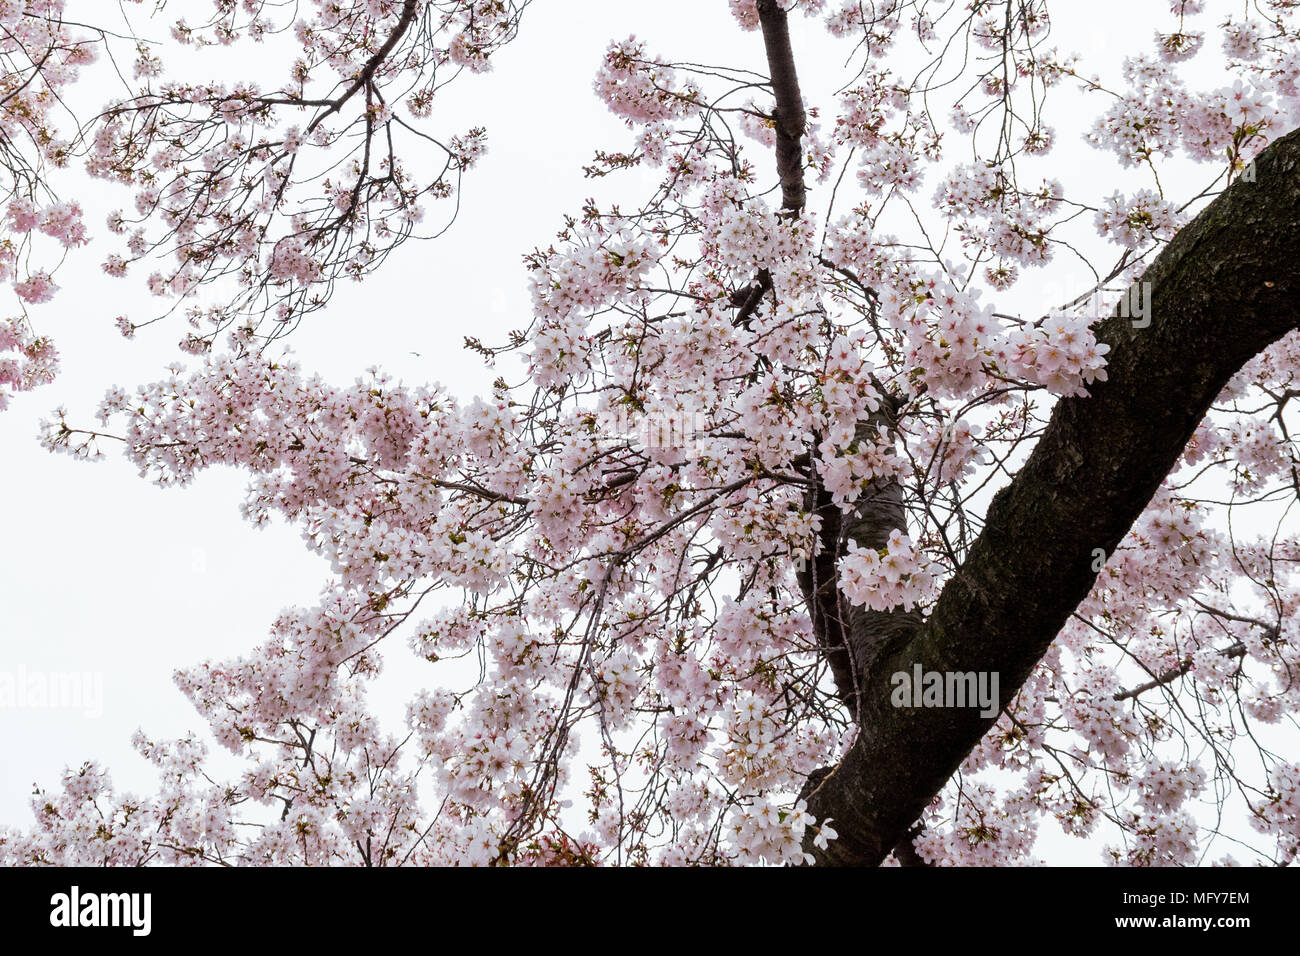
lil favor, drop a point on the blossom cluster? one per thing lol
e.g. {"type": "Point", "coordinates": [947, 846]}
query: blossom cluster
{"type": "Point", "coordinates": [898, 577]}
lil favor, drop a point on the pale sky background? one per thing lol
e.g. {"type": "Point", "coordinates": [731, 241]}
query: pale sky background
{"type": "Point", "coordinates": [101, 571]}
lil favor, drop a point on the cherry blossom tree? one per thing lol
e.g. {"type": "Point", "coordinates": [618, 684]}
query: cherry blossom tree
{"type": "Point", "coordinates": [776, 442]}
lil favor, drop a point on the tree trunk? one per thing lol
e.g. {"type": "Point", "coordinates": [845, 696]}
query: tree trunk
{"type": "Point", "coordinates": [1226, 288]}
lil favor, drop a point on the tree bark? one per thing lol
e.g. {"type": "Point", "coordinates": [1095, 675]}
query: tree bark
{"type": "Point", "coordinates": [852, 638]}
{"type": "Point", "coordinates": [1225, 288]}
{"type": "Point", "coordinates": [789, 112]}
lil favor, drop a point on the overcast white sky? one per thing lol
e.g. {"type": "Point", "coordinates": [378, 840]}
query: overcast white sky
{"type": "Point", "coordinates": [102, 572]}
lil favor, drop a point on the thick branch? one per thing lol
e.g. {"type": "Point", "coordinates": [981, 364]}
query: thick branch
{"type": "Point", "coordinates": [905, 852]}
{"type": "Point", "coordinates": [851, 638]}
{"type": "Point", "coordinates": [789, 113]}
{"type": "Point", "coordinates": [790, 121]}
{"type": "Point", "coordinates": [1226, 288]}
{"type": "Point", "coordinates": [748, 299]}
